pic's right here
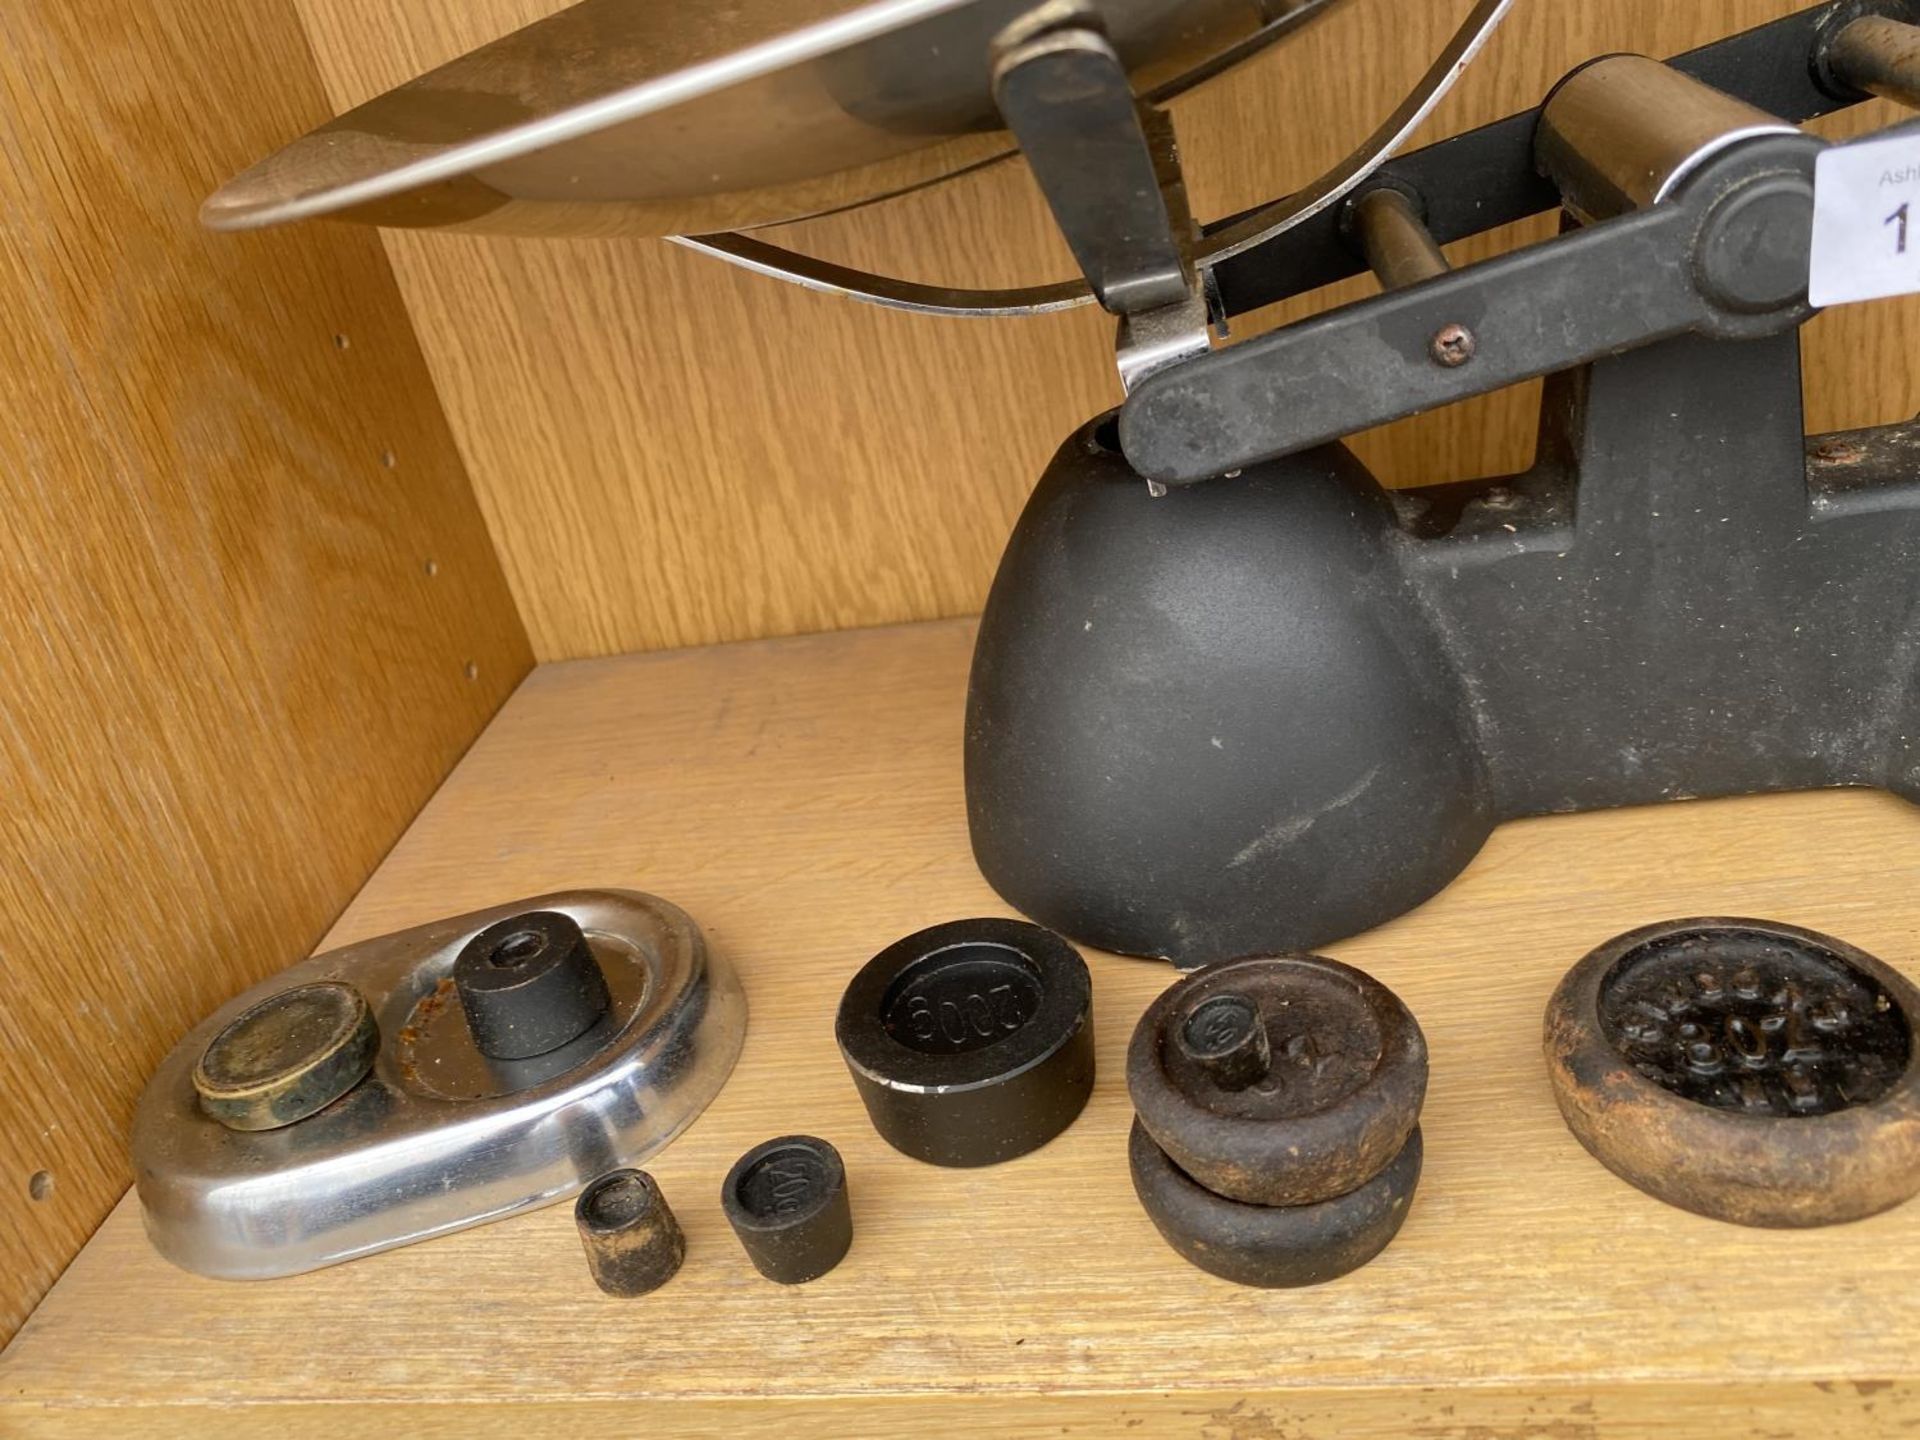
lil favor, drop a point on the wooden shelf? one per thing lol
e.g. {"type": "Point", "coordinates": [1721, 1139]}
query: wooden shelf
{"type": "Point", "coordinates": [802, 799]}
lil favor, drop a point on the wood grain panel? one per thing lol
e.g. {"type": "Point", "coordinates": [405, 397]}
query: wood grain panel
{"type": "Point", "coordinates": [802, 799]}
{"type": "Point", "coordinates": [249, 614]}
{"type": "Point", "coordinates": [670, 452]}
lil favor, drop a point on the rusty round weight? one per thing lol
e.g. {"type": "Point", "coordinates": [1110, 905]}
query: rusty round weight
{"type": "Point", "coordinates": [1274, 1246]}
{"type": "Point", "coordinates": [1743, 1069]}
{"type": "Point", "coordinates": [1279, 1080]}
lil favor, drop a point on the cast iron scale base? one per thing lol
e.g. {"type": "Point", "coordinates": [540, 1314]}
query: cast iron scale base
{"type": "Point", "coordinates": [1259, 712]}
{"type": "Point", "coordinates": [1229, 695]}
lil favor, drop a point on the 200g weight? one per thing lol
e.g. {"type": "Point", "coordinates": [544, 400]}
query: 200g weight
{"type": "Point", "coordinates": [970, 1042]}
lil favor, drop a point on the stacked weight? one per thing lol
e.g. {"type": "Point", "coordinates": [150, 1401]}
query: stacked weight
{"type": "Point", "coordinates": [1277, 1140]}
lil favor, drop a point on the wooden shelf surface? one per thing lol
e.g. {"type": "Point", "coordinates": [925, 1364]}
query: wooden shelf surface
{"type": "Point", "coordinates": [802, 799]}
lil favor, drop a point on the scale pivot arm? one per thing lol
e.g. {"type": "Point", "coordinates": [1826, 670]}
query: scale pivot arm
{"type": "Point", "coordinates": [1486, 178]}
{"type": "Point", "coordinates": [1698, 210]}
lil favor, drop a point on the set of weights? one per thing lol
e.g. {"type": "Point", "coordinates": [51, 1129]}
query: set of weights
{"type": "Point", "coordinates": [1276, 1141]}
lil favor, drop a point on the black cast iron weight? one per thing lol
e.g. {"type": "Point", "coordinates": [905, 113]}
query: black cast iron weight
{"type": "Point", "coordinates": [787, 1201]}
{"type": "Point", "coordinates": [529, 984]}
{"type": "Point", "coordinates": [1277, 1141]}
{"type": "Point", "coordinates": [1273, 1246]}
{"type": "Point", "coordinates": [1338, 1094]}
{"type": "Point", "coordinates": [970, 1042]}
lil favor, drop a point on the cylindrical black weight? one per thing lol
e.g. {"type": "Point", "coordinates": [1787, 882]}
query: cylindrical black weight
{"type": "Point", "coordinates": [787, 1201]}
{"type": "Point", "coordinates": [529, 984]}
{"type": "Point", "coordinates": [1226, 1039]}
{"type": "Point", "coordinates": [632, 1240]}
{"type": "Point", "coordinates": [970, 1042]}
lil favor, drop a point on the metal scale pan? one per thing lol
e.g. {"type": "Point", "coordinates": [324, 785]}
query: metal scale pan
{"type": "Point", "coordinates": [643, 117]}
{"type": "Point", "coordinates": [697, 123]}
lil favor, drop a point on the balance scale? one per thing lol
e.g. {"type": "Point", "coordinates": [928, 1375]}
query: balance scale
{"type": "Point", "coordinates": [1230, 695]}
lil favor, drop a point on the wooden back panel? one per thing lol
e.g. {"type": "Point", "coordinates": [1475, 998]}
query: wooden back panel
{"type": "Point", "coordinates": [249, 614]}
{"type": "Point", "coordinates": [671, 452]}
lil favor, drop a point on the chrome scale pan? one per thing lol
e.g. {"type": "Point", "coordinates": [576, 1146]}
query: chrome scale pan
{"type": "Point", "coordinates": [696, 121]}
{"type": "Point", "coordinates": [645, 117]}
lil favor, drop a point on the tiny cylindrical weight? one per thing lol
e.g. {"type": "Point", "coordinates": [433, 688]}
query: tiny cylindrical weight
{"type": "Point", "coordinates": [287, 1057]}
{"type": "Point", "coordinates": [633, 1243]}
{"type": "Point", "coordinates": [529, 984]}
{"type": "Point", "coordinates": [1621, 132]}
{"type": "Point", "coordinates": [970, 1042]}
{"type": "Point", "coordinates": [787, 1201]}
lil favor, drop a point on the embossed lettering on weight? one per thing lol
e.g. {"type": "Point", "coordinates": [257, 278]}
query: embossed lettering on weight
{"type": "Point", "coordinates": [920, 1017]}
{"type": "Point", "coordinates": [1221, 1026]}
{"type": "Point", "coordinates": [965, 1017]}
{"type": "Point", "coordinates": [791, 1188]}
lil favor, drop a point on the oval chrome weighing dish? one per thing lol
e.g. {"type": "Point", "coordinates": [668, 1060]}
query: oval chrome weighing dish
{"type": "Point", "coordinates": [437, 1137]}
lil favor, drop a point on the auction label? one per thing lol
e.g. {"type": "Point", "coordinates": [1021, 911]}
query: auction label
{"type": "Point", "coordinates": [1866, 220]}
